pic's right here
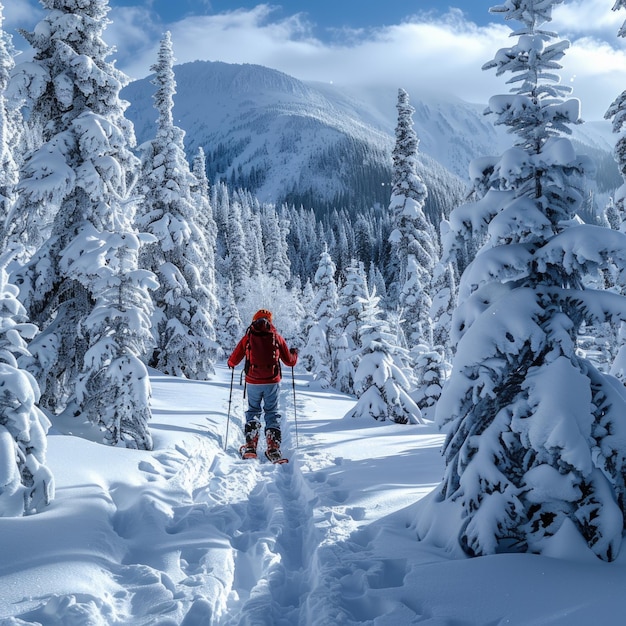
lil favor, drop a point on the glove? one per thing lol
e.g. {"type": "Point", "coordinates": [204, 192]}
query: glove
{"type": "Point", "coordinates": [230, 365]}
{"type": "Point", "coordinates": [293, 351]}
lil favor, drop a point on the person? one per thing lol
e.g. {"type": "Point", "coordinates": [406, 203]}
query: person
{"type": "Point", "coordinates": [263, 348]}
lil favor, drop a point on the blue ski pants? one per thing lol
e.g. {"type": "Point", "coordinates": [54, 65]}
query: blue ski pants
{"type": "Point", "coordinates": [263, 398]}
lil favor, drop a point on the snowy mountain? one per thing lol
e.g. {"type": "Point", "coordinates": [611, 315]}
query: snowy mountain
{"type": "Point", "coordinates": [323, 146]}
{"type": "Point", "coordinates": [283, 139]}
{"type": "Point", "coordinates": [268, 132]}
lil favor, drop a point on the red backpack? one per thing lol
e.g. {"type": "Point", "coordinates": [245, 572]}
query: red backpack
{"type": "Point", "coordinates": [262, 350]}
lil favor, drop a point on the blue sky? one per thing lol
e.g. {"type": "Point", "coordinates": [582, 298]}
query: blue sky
{"type": "Point", "coordinates": [419, 45]}
{"type": "Point", "coordinates": [325, 14]}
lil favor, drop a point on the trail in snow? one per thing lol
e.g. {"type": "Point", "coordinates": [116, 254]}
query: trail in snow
{"type": "Point", "coordinates": [230, 545]}
{"type": "Point", "coordinates": [273, 538]}
{"type": "Point", "coordinates": [192, 535]}
{"type": "Point", "coordinates": [243, 546]}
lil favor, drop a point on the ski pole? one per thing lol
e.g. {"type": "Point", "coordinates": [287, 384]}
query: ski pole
{"type": "Point", "coordinates": [295, 415]}
{"type": "Point", "coordinates": [230, 399]}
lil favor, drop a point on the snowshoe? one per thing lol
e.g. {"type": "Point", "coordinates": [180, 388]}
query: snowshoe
{"type": "Point", "coordinates": [275, 456]}
{"type": "Point", "coordinates": [247, 452]}
{"type": "Point", "coordinates": [273, 453]}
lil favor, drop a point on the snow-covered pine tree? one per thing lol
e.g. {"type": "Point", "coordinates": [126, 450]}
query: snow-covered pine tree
{"type": "Point", "coordinates": [252, 230]}
{"type": "Point", "coordinates": [308, 320]}
{"type": "Point", "coordinates": [69, 53]}
{"type": "Point", "coordinates": [427, 362]}
{"type": "Point", "coordinates": [344, 359]}
{"type": "Point", "coordinates": [317, 351]}
{"type": "Point", "coordinates": [432, 365]}
{"type": "Point", "coordinates": [350, 303]}
{"type": "Point", "coordinates": [342, 252]}
{"type": "Point", "coordinates": [615, 210]}
{"type": "Point", "coordinates": [201, 193]}
{"type": "Point", "coordinates": [230, 326]}
{"type": "Point", "coordinates": [84, 169]}
{"type": "Point", "coordinates": [113, 389]}
{"type": "Point", "coordinates": [376, 281]}
{"type": "Point", "coordinates": [220, 203]}
{"type": "Point", "coordinates": [346, 324]}
{"type": "Point", "coordinates": [612, 216]}
{"type": "Point", "coordinates": [204, 213]}
{"type": "Point", "coordinates": [9, 128]}
{"type": "Point", "coordinates": [414, 241]}
{"type": "Point", "coordinates": [617, 114]}
{"type": "Point", "coordinates": [185, 305]}
{"type": "Point", "coordinates": [277, 264]}
{"type": "Point", "coordinates": [414, 306]}
{"type": "Point", "coordinates": [237, 260]}
{"type": "Point", "coordinates": [412, 233]}
{"type": "Point", "coordinates": [534, 448]}
{"type": "Point", "coordinates": [380, 385]}
{"type": "Point", "coordinates": [352, 295]}
{"type": "Point", "coordinates": [26, 483]}
{"type": "Point", "coordinates": [442, 307]}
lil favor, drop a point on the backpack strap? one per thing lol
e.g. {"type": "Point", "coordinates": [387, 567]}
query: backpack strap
{"type": "Point", "coordinates": [246, 364]}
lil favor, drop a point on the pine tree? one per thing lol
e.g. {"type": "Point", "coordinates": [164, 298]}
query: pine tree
{"type": "Point", "coordinates": [26, 483]}
{"type": "Point", "coordinates": [415, 305]}
{"type": "Point", "coordinates": [412, 233]}
{"type": "Point", "coordinates": [442, 307]}
{"type": "Point", "coordinates": [380, 385]}
{"type": "Point", "coordinates": [345, 326]}
{"type": "Point", "coordinates": [185, 305]}
{"type": "Point", "coordinates": [113, 389]}
{"type": "Point", "coordinates": [414, 240]}
{"type": "Point", "coordinates": [350, 302]}
{"type": "Point", "coordinates": [376, 281]}
{"type": "Point", "coordinates": [84, 170]}
{"type": "Point", "coordinates": [318, 348]}
{"type": "Point", "coordinates": [204, 216]}
{"type": "Point", "coordinates": [9, 127]}
{"type": "Point", "coordinates": [230, 326]}
{"type": "Point", "coordinates": [220, 203]}
{"type": "Point", "coordinates": [617, 113]}
{"type": "Point", "coordinates": [308, 321]}
{"type": "Point", "coordinates": [277, 263]}
{"type": "Point", "coordinates": [237, 260]}
{"type": "Point", "coordinates": [69, 76]}
{"type": "Point", "coordinates": [616, 210]}
{"type": "Point", "coordinates": [201, 193]}
{"type": "Point", "coordinates": [534, 430]}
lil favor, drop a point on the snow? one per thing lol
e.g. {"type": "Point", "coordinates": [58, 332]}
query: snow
{"type": "Point", "coordinates": [190, 534]}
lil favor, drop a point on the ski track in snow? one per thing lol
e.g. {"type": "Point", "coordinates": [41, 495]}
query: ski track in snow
{"type": "Point", "coordinates": [241, 542]}
{"type": "Point", "coordinates": [282, 554]}
{"type": "Point", "coordinates": [244, 527]}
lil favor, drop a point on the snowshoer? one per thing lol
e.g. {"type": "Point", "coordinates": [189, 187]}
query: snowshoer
{"type": "Point", "coordinates": [263, 349]}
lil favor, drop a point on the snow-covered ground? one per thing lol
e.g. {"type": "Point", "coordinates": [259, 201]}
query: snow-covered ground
{"type": "Point", "coordinates": [190, 534]}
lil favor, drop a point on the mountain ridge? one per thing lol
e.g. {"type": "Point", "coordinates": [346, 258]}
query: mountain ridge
{"type": "Point", "coordinates": [317, 144]}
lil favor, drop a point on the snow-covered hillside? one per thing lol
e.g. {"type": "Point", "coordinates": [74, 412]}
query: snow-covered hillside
{"type": "Point", "coordinates": [266, 131]}
{"type": "Point", "coordinates": [320, 144]}
{"type": "Point", "coordinates": [190, 534]}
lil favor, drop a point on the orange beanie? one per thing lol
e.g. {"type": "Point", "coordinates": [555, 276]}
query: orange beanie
{"type": "Point", "coordinates": [262, 314]}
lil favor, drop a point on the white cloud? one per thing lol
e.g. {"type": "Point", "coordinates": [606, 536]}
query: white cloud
{"type": "Point", "coordinates": [587, 17]}
{"type": "Point", "coordinates": [19, 13]}
{"type": "Point", "coordinates": [133, 33]}
{"type": "Point", "coordinates": [422, 54]}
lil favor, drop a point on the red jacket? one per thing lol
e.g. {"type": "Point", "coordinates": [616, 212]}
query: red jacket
{"type": "Point", "coordinates": [239, 353]}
